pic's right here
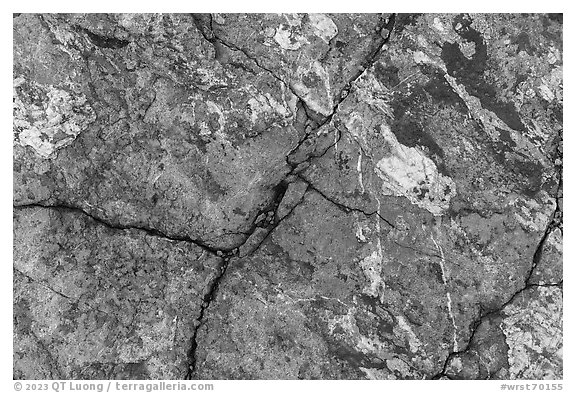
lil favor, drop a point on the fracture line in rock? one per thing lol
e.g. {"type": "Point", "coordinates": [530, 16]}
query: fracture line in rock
{"type": "Point", "coordinates": [43, 284]}
{"type": "Point", "coordinates": [448, 296]}
{"type": "Point", "coordinates": [122, 227]}
{"type": "Point", "coordinates": [494, 311]}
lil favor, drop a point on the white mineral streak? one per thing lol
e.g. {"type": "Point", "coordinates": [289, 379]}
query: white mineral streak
{"type": "Point", "coordinates": [448, 296]}
{"type": "Point", "coordinates": [53, 125]}
{"type": "Point", "coordinates": [370, 91]}
{"type": "Point", "coordinates": [359, 169]}
{"type": "Point", "coordinates": [264, 105]}
{"type": "Point", "coordinates": [360, 232]}
{"type": "Point", "coordinates": [408, 172]}
{"type": "Point", "coordinates": [336, 141]}
{"type": "Point", "coordinates": [372, 265]}
{"type": "Point", "coordinates": [291, 298]}
{"type": "Point", "coordinates": [488, 119]}
{"type": "Point", "coordinates": [323, 27]}
{"type": "Point", "coordinates": [413, 340]}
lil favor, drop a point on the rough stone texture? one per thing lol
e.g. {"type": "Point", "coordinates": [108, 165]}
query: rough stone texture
{"type": "Point", "coordinates": [288, 196]}
{"type": "Point", "coordinates": [91, 301]}
{"type": "Point", "coordinates": [522, 341]}
{"type": "Point", "coordinates": [160, 133]}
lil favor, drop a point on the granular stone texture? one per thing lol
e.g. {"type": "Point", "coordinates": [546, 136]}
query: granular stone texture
{"type": "Point", "coordinates": [92, 301]}
{"type": "Point", "coordinates": [293, 196]}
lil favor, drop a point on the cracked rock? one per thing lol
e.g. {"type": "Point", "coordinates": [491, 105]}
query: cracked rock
{"type": "Point", "coordinates": [523, 341]}
{"type": "Point", "coordinates": [93, 302]}
{"type": "Point", "coordinates": [288, 196]}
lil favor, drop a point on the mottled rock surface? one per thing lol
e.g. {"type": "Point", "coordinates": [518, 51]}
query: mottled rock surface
{"type": "Point", "coordinates": [344, 196]}
{"type": "Point", "coordinates": [92, 301]}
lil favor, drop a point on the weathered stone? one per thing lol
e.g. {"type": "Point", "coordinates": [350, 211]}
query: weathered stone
{"type": "Point", "coordinates": [92, 302]}
{"type": "Point", "coordinates": [180, 143]}
{"type": "Point", "coordinates": [523, 341]}
{"type": "Point", "coordinates": [549, 269]}
{"type": "Point", "coordinates": [261, 196]}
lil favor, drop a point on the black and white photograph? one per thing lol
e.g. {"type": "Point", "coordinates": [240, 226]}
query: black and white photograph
{"type": "Point", "coordinates": [287, 196]}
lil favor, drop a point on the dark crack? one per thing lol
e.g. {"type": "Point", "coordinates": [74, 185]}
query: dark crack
{"type": "Point", "coordinates": [344, 208]}
{"type": "Point", "coordinates": [105, 41]}
{"type": "Point", "coordinates": [298, 166]}
{"type": "Point", "coordinates": [42, 284]}
{"type": "Point", "coordinates": [117, 226]}
{"type": "Point", "coordinates": [212, 288]}
{"type": "Point", "coordinates": [559, 284]}
{"type": "Point", "coordinates": [275, 224]}
{"type": "Point", "coordinates": [386, 24]}
{"type": "Point", "coordinates": [310, 125]}
{"type": "Point", "coordinates": [554, 222]}
{"type": "Point", "coordinates": [70, 299]}
{"type": "Point", "coordinates": [267, 219]}
{"type": "Point", "coordinates": [208, 298]}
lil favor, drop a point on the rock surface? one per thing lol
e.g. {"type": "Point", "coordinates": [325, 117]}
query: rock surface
{"type": "Point", "coordinates": [347, 196]}
{"type": "Point", "coordinates": [94, 302]}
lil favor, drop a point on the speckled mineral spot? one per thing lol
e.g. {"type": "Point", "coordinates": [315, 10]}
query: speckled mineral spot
{"type": "Point", "coordinates": [323, 27]}
{"type": "Point", "coordinates": [51, 122]}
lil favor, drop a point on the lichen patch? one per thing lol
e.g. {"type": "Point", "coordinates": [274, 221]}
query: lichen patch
{"type": "Point", "coordinates": [51, 122]}
{"type": "Point", "coordinates": [408, 172]}
{"type": "Point", "coordinates": [323, 27]}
